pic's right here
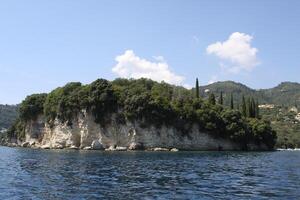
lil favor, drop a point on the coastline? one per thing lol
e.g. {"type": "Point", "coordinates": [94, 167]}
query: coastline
{"type": "Point", "coordinates": [153, 149]}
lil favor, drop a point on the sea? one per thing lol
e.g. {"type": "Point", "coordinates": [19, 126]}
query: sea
{"type": "Point", "coordinates": [72, 174]}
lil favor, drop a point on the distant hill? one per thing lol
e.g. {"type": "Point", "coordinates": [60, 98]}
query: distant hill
{"type": "Point", "coordinates": [8, 113]}
{"type": "Point", "coordinates": [286, 93]}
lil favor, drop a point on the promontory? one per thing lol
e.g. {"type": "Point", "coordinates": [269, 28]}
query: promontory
{"type": "Point", "coordinates": [137, 115]}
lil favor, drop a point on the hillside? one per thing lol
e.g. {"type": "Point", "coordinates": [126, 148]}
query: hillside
{"type": "Point", "coordinates": [285, 97]}
{"type": "Point", "coordinates": [286, 93]}
{"type": "Point", "coordinates": [8, 114]}
{"type": "Point", "coordinates": [286, 123]}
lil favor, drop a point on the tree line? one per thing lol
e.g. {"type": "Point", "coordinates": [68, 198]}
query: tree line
{"type": "Point", "coordinates": [249, 106]}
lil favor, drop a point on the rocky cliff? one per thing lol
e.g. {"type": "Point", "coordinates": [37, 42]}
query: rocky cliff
{"type": "Point", "coordinates": [84, 133]}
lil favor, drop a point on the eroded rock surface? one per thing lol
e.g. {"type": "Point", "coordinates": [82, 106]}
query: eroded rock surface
{"type": "Point", "coordinates": [84, 133]}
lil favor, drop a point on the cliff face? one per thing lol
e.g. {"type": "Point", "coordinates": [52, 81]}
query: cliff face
{"type": "Point", "coordinates": [84, 133]}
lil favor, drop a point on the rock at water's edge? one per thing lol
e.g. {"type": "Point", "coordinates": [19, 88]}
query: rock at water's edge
{"type": "Point", "coordinates": [96, 145]}
{"type": "Point", "coordinates": [25, 144]}
{"type": "Point", "coordinates": [73, 147]}
{"type": "Point", "coordinates": [135, 146]}
{"type": "Point", "coordinates": [45, 147]}
{"type": "Point", "coordinates": [160, 149]}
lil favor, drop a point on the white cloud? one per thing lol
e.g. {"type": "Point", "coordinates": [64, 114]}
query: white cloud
{"type": "Point", "coordinates": [131, 66]}
{"type": "Point", "coordinates": [236, 52]}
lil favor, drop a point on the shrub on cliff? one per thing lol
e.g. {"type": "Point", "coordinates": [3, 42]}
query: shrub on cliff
{"type": "Point", "coordinates": [101, 99]}
{"type": "Point", "coordinates": [262, 132]}
{"type": "Point", "coordinates": [63, 102]}
{"type": "Point", "coordinates": [29, 109]}
{"type": "Point", "coordinates": [236, 126]}
{"type": "Point", "coordinates": [17, 130]}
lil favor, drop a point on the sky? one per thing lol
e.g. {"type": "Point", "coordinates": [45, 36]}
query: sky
{"type": "Point", "coordinates": [46, 44]}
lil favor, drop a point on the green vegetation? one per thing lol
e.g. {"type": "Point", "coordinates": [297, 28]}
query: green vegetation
{"type": "Point", "coordinates": [231, 101]}
{"type": "Point", "coordinates": [221, 99]}
{"type": "Point", "coordinates": [65, 102]}
{"type": "Point", "coordinates": [287, 127]}
{"type": "Point", "coordinates": [286, 93]}
{"type": "Point", "coordinates": [197, 89]}
{"type": "Point", "coordinates": [147, 101]}
{"type": "Point", "coordinates": [29, 109]}
{"type": "Point", "coordinates": [244, 107]}
{"type": "Point", "coordinates": [32, 106]}
{"type": "Point", "coordinates": [284, 96]}
{"type": "Point", "coordinates": [212, 99]}
{"type": "Point", "coordinates": [8, 114]}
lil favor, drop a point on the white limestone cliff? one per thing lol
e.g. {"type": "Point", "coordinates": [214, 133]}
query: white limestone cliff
{"type": "Point", "coordinates": [84, 133]}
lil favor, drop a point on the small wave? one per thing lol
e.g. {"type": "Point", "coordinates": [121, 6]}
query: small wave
{"type": "Point", "coordinates": [289, 149]}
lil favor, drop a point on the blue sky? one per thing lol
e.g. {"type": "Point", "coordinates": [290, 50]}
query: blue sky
{"type": "Point", "coordinates": [45, 44]}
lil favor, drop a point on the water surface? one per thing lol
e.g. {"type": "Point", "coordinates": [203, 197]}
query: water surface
{"type": "Point", "coordinates": [62, 174]}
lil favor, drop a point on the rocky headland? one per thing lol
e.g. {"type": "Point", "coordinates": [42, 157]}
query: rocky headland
{"type": "Point", "coordinates": [133, 115]}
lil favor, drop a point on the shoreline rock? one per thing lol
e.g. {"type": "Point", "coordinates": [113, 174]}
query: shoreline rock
{"type": "Point", "coordinates": [114, 148]}
{"type": "Point", "coordinates": [135, 146]}
{"type": "Point", "coordinates": [73, 147]}
{"type": "Point", "coordinates": [160, 149]}
{"type": "Point", "coordinates": [96, 145]}
{"type": "Point", "coordinates": [87, 148]}
{"type": "Point", "coordinates": [25, 144]}
{"type": "Point", "coordinates": [45, 147]}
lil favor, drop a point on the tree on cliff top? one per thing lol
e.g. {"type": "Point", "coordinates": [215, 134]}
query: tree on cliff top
{"type": "Point", "coordinates": [231, 102]}
{"type": "Point", "coordinates": [221, 98]}
{"type": "Point", "coordinates": [32, 106]}
{"type": "Point", "coordinates": [197, 89]}
{"type": "Point", "coordinates": [212, 99]}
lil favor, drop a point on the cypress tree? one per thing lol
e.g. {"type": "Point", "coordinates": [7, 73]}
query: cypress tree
{"type": "Point", "coordinates": [221, 98]}
{"type": "Point", "coordinates": [231, 101]}
{"type": "Point", "coordinates": [244, 107]}
{"type": "Point", "coordinates": [257, 109]}
{"type": "Point", "coordinates": [197, 89]}
{"type": "Point", "coordinates": [248, 108]}
{"type": "Point", "coordinates": [212, 99]}
{"type": "Point", "coordinates": [253, 108]}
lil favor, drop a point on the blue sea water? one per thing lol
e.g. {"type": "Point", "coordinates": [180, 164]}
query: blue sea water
{"type": "Point", "coordinates": [66, 174]}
